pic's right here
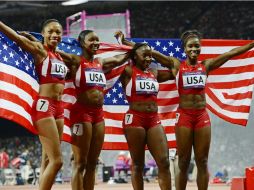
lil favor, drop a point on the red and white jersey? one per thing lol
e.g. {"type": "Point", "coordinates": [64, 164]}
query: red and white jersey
{"type": "Point", "coordinates": [191, 79]}
{"type": "Point", "coordinates": [52, 69]}
{"type": "Point", "coordinates": [89, 76]}
{"type": "Point", "coordinates": [143, 86]}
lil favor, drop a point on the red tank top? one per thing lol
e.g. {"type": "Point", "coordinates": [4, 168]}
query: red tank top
{"type": "Point", "coordinates": [191, 79]}
{"type": "Point", "coordinates": [52, 69]}
{"type": "Point", "coordinates": [143, 86]}
{"type": "Point", "coordinates": [89, 76]}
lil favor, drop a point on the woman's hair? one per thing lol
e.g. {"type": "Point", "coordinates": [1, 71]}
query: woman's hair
{"type": "Point", "coordinates": [189, 34]}
{"type": "Point", "coordinates": [45, 23]}
{"type": "Point", "coordinates": [134, 49]}
{"type": "Point", "coordinates": [83, 34]}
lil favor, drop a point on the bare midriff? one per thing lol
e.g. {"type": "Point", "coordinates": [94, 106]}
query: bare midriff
{"type": "Point", "coordinates": [192, 101]}
{"type": "Point", "coordinates": [52, 90]}
{"type": "Point", "coordinates": [93, 98]}
{"type": "Point", "coordinates": [145, 107]}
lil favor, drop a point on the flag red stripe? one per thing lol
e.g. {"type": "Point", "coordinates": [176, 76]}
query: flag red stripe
{"type": "Point", "coordinates": [241, 57]}
{"type": "Point", "coordinates": [229, 85]}
{"type": "Point", "coordinates": [115, 146]}
{"type": "Point", "coordinates": [242, 122]}
{"type": "Point", "coordinates": [228, 70]}
{"type": "Point", "coordinates": [113, 130]}
{"type": "Point", "coordinates": [221, 43]}
{"type": "Point", "coordinates": [238, 96]}
{"type": "Point", "coordinates": [115, 116]}
{"type": "Point", "coordinates": [169, 129]}
{"type": "Point", "coordinates": [167, 87]}
{"type": "Point", "coordinates": [18, 119]}
{"type": "Point", "coordinates": [228, 107]}
{"type": "Point", "coordinates": [15, 99]}
{"type": "Point", "coordinates": [19, 83]}
{"type": "Point", "coordinates": [170, 101]}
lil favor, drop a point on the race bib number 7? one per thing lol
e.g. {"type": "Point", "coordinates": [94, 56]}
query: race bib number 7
{"type": "Point", "coordinates": [128, 118]}
{"type": "Point", "coordinates": [77, 129]}
{"type": "Point", "coordinates": [42, 105]}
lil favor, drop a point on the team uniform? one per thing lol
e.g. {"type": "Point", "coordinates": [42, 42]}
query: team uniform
{"type": "Point", "coordinates": [192, 80]}
{"type": "Point", "coordinates": [88, 76]}
{"type": "Point", "coordinates": [142, 87]}
{"type": "Point", "coordinates": [51, 70]}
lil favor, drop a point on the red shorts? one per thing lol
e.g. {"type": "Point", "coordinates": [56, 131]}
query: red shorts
{"type": "Point", "coordinates": [139, 119]}
{"type": "Point", "coordinates": [81, 113]}
{"type": "Point", "coordinates": [192, 118]}
{"type": "Point", "coordinates": [44, 107]}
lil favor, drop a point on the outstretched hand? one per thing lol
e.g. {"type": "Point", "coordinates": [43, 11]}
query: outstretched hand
{"type": "Point", "coordinates": [119, 36]}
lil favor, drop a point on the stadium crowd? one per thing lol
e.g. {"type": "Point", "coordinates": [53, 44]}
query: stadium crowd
{"type": "Point", "coordinates": [151, 19]}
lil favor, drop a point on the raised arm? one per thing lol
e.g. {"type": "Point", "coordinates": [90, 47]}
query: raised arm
{"type": "Point", "coordinates": [120, 36]}
{"type": "Point", "coordinates": [166, 61]}
{"type": "Point", "coordinates": [163, 76]}
{"type": "Point", "coordinates": [216, 62]}
{"type": "Point", "coordinates": [33, 47]}
{"type": "Point", "coordinates": [112, 62]}
{"type": "Point", "coordinates": [69, 59]}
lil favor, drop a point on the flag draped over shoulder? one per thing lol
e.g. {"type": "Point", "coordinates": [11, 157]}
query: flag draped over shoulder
{"type": "Point", "coordinates": [229, 88]}
{"type": "Point", "coordinates": [18, 83]}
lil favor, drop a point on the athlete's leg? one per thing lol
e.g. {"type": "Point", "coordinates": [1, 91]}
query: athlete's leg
{"type": "Point", "coordinates": [82, 135]}
{"type": "Point", "coordinates": [202, 139]}
{"type": "Point", "coordinates": [50, 141]}
{"type": "Point", "coordinates": [44, 157]}
{"type": "Point", "coordinates": [97, 140]}
{"type": "Point", "coordinates": [184, 139]}
{"type": "Point", "coordinates": [158, 146]}
{"type": "Point", "coordinates": [136, 139]}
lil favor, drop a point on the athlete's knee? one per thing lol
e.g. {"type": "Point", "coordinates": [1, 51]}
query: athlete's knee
{"type": "Point", "coordinates": [202, 163]}
{"type": "Point", "coordinates": [163, 163]}
{"type": "Point", "coordinates": [91, 165]}
{"type": "Point", "coordinates": [183, 164]}
{"type": "Point", "coordinates": [138, 167]}
{"type": "Point", "coordinates": [80, 166]}
{"type": "Point", "coordinates": [57, 163]}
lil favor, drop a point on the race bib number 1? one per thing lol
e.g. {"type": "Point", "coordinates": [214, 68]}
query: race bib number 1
{"type": "Point", "coordinates": [42, 105]}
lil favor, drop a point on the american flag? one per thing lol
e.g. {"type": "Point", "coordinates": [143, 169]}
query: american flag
{"type": "Point", "coordinates": [229, 88]}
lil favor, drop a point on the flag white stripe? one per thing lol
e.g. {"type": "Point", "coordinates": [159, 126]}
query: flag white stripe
{"type": "Point", "coordinates": [238, 62]}
{"type": "Point", "coordinates": [68, 98]}
{"type": "Point", "coordinates": [116, 108]}
{"type": "Point", "coordinates": [217, 49]}
{"type": "Point", "coordinates": [167, 109]}
{"type": "Point", "coordinates": [167, 94]}
{"type": "Point", "coordinates": [8, 87]}
{"type": "Point", "coordinates": [7, 105]}
{"type": "Point", "coordinates": [121, 138]}
{"type": "Point", "coordinates": [230, 78]}
{"type": "Point", "coordinates": [233, 115]}
{"type": "Point", "coordinates": [20, 75]}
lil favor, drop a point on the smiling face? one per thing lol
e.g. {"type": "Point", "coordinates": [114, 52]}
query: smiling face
{"type": "Point", "coordinates": [143, 57]}
{"type": "Point", "coordinates": [192, 48]}
{"type": "Point", "coordinates": [52, 34]}
{"type": "Point", "coordinates": [91, 43]}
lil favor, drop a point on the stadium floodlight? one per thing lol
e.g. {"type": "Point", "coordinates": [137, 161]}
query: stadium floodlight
{"type": "Point", "coordinates": [74, 2]}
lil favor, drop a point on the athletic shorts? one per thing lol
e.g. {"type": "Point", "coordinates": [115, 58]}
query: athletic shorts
{"type": "Point", "coordinates": [81, 113]}
{"type": "Point", "coordinates": [192, 118]}
{"type": "Point", "coordinates": [44, 107]}
{"type": "Point", "coordinates": [139, 119]}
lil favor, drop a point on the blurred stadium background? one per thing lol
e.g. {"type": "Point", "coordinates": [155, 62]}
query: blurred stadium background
{"type": "Point", "coordinates": [232, 146]}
